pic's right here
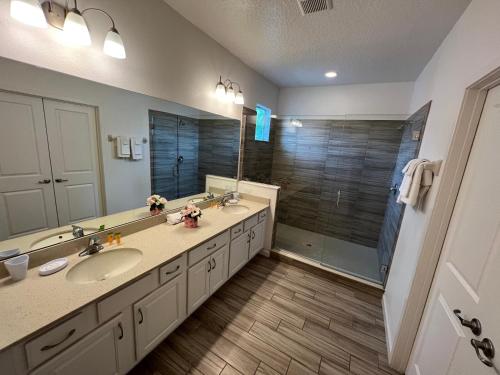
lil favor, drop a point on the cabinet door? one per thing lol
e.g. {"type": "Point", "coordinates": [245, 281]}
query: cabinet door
{"type": "Point", "coordinates": [159, 313]}
{"type": "Point", "coordinates": [96, 354]}
{"type": "Point", "coordinates": [198, 284]}
{"type": "Point", "coordinates": [219, 268]}
{"type": "Point", "coordinates": [238, 253]}
{"type": "Point", "coordinates": [258, 233]}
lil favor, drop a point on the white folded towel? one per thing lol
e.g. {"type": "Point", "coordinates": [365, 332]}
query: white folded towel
{"type": "Point", "coordinates": [416, 182]}
{"type": "Point", "coordinates": [174, 218]}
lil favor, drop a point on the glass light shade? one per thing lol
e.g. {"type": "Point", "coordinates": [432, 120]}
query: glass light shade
{"type": "Point", "coordinates": [239, 99]}
{"type": "Point", "coordinates": [230, 95]}
{"type": "Point", "coordinates": [220, 91]}
{"type": "Point", "coordinates": [113, 45]}
{"type": "Point", "coordinates": [75, 29]}
{"type": "Point", "coordinates": [28, 12]}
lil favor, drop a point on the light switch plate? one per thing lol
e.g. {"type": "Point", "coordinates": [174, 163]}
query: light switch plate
{"type": "Point", "coordinates": [415, 135]}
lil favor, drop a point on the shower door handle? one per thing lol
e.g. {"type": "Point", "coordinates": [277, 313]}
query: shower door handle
{"type": "Point", "coordinates": [338, 198]}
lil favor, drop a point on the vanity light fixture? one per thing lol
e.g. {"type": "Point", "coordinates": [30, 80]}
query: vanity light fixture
{"type": "Point", "coordinates": [28, 12]}
{"type": "Point", "coordinates": [331, 74]}
{"type": "Point", "coordinates": [71, 21]}
{"type": "Point", "coordinates": [224, 91]}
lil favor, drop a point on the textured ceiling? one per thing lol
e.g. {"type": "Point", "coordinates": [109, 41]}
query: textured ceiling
{"type": "Point", "coordinates": [365, 41]}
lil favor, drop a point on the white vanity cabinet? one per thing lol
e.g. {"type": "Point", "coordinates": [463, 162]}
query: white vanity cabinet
{"type": "Point", "coordinates": [158, 314]}
{"type": "Point", "coordinates": [205, 277]}
{"type": "Point", "coordinates": [97, 353]}
{"type": "Point", "coordinates": [238, 255]}
{"type": "Point", "coordinates": [257, 236]}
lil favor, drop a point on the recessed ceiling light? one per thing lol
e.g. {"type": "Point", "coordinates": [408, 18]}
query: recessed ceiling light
{"type": "Point", "coordinates": [331, 74]}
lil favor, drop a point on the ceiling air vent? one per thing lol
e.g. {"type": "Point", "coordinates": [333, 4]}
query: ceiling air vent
{"type": "Point", "coordinates": [314, 6]}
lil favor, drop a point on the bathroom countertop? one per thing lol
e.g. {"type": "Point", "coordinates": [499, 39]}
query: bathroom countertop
{"type": "Point", "coordinates": [37, 301]}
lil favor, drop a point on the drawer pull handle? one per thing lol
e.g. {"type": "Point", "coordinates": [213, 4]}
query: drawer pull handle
{"type": "Point", "coordinates": [238, 231]}
{"type": "Point", "coordinates": [142, 316]}
{"type": "Point", "coordinates": [212, 247]}
{"type": "Point", "coordinates": [209, 266]}
{"type": "Point", "coordinates": [174, 271]}
{"type": "Point", "coordinates": [52, 346]}
{"type": "Point", "coordinates": [214, 264]}
{"type": "Point", "coordinates": [121, 331]}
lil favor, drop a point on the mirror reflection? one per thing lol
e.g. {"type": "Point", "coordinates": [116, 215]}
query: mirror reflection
{"type": "Point", "coordinates": [78, 156]}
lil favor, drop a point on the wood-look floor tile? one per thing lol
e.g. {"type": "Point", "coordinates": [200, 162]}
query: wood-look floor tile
{"type": "Point", "coordinates": [360, 337]}
{"type": "Point", "coordinates": [226, 350]}
{"type": "Point", "coordinates": [383, 364]}
{"type": "Point", "coordinates": [370, 329]}
{"type": "Point", "coordinates": [280, 341]}
{"type": "Point", "coordinates": [254, 288]}
{"type": "Point", "coordinates": [352, 347]}
{"type": "Point", "coordinates": [330, 368]}
{"type": "Point", "coordinates": [338, 305]}
{"type": "Point", "coordinates": [227, 313]}
{"type": "Point", "coordinates": [301, 310]}
{"type": "Point", "coordinates": [360, 367]}
{"type": "Point", "coordinates": [197, 355]}
{"type": "Point", "coordinates": [373, 307]}
{"type": "Point", "coordinates": [267, 305]}
{"type": "Point", "coordinates": [333, 312]}
{"type": "Point", "coordinates": [229, 370]}
{"type": "Point", "coordinates": [321, 347]}
{"type": "Point", "coordinates": [252, 310]}
{"type": "Point", "coordinates": [269, 285]}
{"type": "Point", "coordinates": [297, 368]}
{"type": "Point", "coordinates": [264, 369]}
{"type": "Point", "coordinates": [258, 348]}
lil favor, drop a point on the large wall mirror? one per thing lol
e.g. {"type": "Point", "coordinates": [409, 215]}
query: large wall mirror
{"type": "Point", "coordinates": [79, 153]}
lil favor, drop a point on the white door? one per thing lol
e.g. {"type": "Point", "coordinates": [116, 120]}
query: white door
{"type": "Point", "coordinates": [72, 133]}
{"type": "Point", "coordinates": [238, 253]}
{"type": "Point", "coordinates": [198, 284]}
{"type": "Point", "coordinates": [219, 269]}
{"type": "Point", "coordinates": [468, 276]}
{"type": "Point", "coordinates": [159, 313]}
{"type": "Point", "coordinates": [258, 233]}
{"type": "Point", "coordinates": [27, 201]}
{"type": "Point", "coordinates": [97, 353]}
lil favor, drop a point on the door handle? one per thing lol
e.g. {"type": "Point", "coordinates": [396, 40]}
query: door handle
{"type": "Point", "coordinates": [209, 266]}
{"type": "Point", "coordinates": [253, 234]}
{"type": "Point", "coordinates": [488, 349]}
{"type": "Point", "coordinates": [142, 316]}
{"type": "Point", "coordinates": [214, 264]}
{"type": "Point", "coordinates": [474, 324]}
{"type": "Point", "coordinates": [45, 181]}
{"type": "Point", "coordinates": [59, 180]}
{"type": "Point", "coordinates": [121, 330]}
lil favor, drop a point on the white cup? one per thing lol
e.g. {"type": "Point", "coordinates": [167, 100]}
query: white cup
{"type": "Point", "coordinates": [17, 267]}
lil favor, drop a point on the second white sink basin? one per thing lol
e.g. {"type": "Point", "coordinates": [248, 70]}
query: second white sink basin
{"type": "Point", "coordinates": [105, 265]}
{"type": "Point", "coordinates": [235, 209]}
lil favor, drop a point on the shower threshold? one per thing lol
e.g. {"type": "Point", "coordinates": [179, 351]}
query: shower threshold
{"type": "Point", "coordinates": [342, 257]}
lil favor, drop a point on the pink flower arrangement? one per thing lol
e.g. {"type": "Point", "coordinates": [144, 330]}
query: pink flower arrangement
{"type": "Point", "coordinates": [191, 211]}
{"type": "Point", "coordinates": [156, 202]}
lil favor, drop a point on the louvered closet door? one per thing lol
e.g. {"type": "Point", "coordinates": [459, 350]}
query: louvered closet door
{"type": "Point", "coordinates": [72, 134]}
{"type": "Point", "coordinates": [26, 192]}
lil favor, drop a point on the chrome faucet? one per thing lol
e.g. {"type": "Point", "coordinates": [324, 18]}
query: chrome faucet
{"type": "Point", "coordinates": [93, 247]}
{"type": "Point", "coordinates": [77, 231]}
{"type": "Point", "coordinates": [210, 195]}
{"type": "Point", "coordinates": [223, 201]}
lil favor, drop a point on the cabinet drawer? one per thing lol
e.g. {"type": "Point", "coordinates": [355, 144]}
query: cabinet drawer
{"type": "Point", "coordinates": [172, 269]}
{"type": "Point", "coordinates": [60, 337]}
{"type": "Point", "coordinates": [262, 215]}
{"type": "Point", "coordinates": [236, 231]}
{"type": "Point", "coordinates": [208, 248]}
{"type": "Point", "coordinates": [112, 305]}
{"type": "Point", "coordinates": [250, 222]}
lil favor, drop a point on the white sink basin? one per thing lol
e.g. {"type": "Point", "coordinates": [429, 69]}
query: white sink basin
{"type": "Point", "coordinates": [58, 237]}
{"type": "Point", "coordinates": [102, 266]}
{"type": "Point", "coordinates": [235, 209]}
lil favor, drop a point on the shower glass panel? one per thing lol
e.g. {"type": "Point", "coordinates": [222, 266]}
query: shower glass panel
{"type": "Point", "coordinates": [335, 179]}
{"type": "Point", "coordinates": [174, 155]}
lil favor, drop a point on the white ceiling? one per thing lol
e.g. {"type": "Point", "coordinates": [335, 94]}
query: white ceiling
{"type": "Point", "coordinates": [365, 41]}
